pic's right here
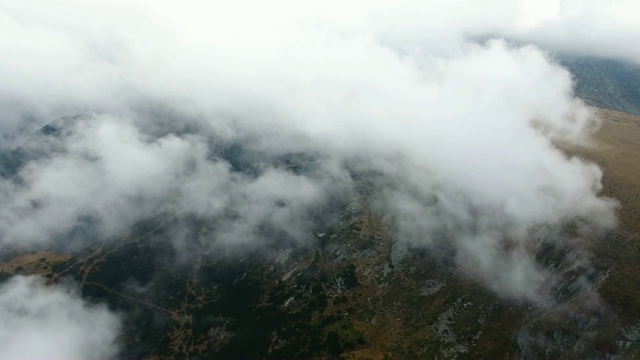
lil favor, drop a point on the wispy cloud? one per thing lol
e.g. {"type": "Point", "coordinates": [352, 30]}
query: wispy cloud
{"type": "Point", "coordinates": [53, 322]}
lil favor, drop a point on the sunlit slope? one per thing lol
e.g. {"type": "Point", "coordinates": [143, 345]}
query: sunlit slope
{"type": "Point", "coordinates": [617, 152]}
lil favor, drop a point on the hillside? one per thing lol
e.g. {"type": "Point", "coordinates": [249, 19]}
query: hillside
{"type": "Point", "coordinates": [357, 293]}
{"type": "Point", "coordinates": [605, 83]}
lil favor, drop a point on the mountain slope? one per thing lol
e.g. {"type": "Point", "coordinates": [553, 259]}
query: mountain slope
{"type": "Point", "coordinates": [605, 83]}
{"type": "Point", "coordinates": [357, 293]}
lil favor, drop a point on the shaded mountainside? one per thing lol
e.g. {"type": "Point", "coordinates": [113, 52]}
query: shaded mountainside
{"type": "Point", "coordinates": [605, 83]}
{"type": "Point", "coordinates": [356, 293]}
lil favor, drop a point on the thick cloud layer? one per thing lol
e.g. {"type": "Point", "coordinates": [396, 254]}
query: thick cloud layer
{"type": "Point", "coordinates": [54, 323]}
{"type": "Point", "coordinates": [462, 131]}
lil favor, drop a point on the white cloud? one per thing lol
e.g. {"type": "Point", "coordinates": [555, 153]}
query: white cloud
{"type": "Point", "coordinates": [108, 170]}
{"type": "Point", "coordinates": [396, 87]}
{"type": "Point", "coordinates": [53, 323]}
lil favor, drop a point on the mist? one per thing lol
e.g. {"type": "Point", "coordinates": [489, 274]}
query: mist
{"type": "Point", "coordinates": [41, 322]}
{"type": "Point", "coordinates": [464, 131]}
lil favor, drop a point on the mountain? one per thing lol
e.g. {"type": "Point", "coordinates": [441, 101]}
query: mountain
{"type": "Point", "coordinates": [605, 83]}
{"type": "Point", "coordinates": [356, 292]}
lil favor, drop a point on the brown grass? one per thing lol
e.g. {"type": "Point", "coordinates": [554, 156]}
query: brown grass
{"type": "Point", "coordinates": [617, 151]}
{"type": "Point", "coordinates": [33, 263]}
